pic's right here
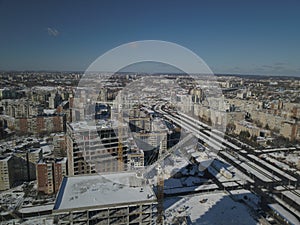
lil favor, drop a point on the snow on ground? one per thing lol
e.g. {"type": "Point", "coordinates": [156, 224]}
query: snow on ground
{"type": "Point", "coordinates": [293, 158]}
{"type": "Point", "coordinates": [284, 213]}
{"type": "Point", "coordinates": [247, 197]}
{"type": "Point", "coordinates": [173, 164]}
{"type": "Point", "coordinates": [286, 157]}
{"type": "Point", "coordinates": [208, 209]}
{"type": "Point", "coordinates": [278, 163]}
{"type": "Point", "coordinates": [183, 182]}
{"type": "Point", "coordinates": [292, 209]}
{"type": "Point", "coordinates": [172, 183]}
{"type": "Point", "coordinates": [42, 220]}
{"type": "Point", "coordinates": [230, 184]}
{"type": "Point", "coordinates": [237, 174]}
{"type": "Point", "coordinates": [202, 187]}
{"type": "Point", "coordinates": [39, 221]}
{"type": "Point", "coordinates": [12, 198]}
{"type": "Point", "coordinates": [39, 208]}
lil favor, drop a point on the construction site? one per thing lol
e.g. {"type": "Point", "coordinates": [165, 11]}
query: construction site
{"type": "Point", "coordinates": [147, 163]}
{"type": "Point", "coordinates": [116, 155]}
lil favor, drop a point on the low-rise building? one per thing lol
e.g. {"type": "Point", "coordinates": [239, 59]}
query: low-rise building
{"type": "Point", "coordinates": [251, 128]}
{"type": "Point", "coordinates": [108, 198]}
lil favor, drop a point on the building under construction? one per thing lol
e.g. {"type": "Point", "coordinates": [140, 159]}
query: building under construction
{"type": "Point", "coordinates": [94, 147]}
{"type": "Point", "coordinates": [108, 198]}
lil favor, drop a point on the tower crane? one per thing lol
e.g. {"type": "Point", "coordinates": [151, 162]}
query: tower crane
{"type": "Point", "coordinates": [160, 175]}
{"type": "Point", "coordinates": [120, 137]}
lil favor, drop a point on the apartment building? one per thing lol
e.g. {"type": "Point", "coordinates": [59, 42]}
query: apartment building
{"type": "Point", "coordinates": [14, 171]}
{"type": "Point", "coordinates": [50, 173]}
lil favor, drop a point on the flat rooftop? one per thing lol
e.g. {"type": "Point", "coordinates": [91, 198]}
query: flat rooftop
{"type": "Point", "coordinates": [94, 125]}
{"type": "Point", "coordinates": [102, 190]}
{"type": "Point", "coordinates": [5, 158]}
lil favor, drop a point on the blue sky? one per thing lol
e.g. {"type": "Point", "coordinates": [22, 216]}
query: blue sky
{"type": "Point", "coordinates": [249, 37]}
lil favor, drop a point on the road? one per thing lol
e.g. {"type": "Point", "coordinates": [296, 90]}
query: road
{"type": "Point", "coordinates": [245, 158]}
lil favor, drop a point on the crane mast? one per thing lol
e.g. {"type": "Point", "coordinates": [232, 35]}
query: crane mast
{"type": "Point", "coordinates": [120, 141]}
{"type": "Point", "coordinates": [160, 188]}
{"type": "Point", "coordinates": [160, 196]}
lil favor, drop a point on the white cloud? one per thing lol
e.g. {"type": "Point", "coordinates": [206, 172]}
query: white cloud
{"type": "Point", "coordinates": [52, 32]}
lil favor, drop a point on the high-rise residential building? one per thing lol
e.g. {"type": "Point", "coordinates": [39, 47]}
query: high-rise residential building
{"type": "Point", "coordinates": [151, 143]}
{"type": "Point", "coordinates": [14, 171]}
{"type": "Point", "coordinates": [4, 173]}
{"type": "Point", "coordinates": [2, 127]}
{"type": "Point", "coordinates": [54, 100]}
{"type": "Point", "coordinates": [59, 144]}
{"type": "Point", "coordinates": [135, 160]}
{"type": "Point", "coordinates": [41, 124]}
{"type": "Point", "coordinates": [197, 95]}
{"type": "Point", "coordinates": [34, 155]}
{"type": "Point", "coordinates": [77, 104]}
{"type": "Point", "coordinates": [50, 173]}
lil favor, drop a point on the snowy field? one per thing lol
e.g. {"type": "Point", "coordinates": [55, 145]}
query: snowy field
{"type": "Point", "coordinates": [208, 209]}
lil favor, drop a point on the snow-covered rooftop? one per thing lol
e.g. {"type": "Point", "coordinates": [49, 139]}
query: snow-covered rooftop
{"type": "Point", "coordinates": [49, 111]}
{"type": "Point", "coordinates": [93, 126]}
{"type": "Point", "coordinates": [102, 190]}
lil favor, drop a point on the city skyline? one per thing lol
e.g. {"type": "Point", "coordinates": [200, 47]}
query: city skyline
{"type": "Point", "coordinates": [140, 112]}
{"type": "Point", "coordinates": [231, 37]}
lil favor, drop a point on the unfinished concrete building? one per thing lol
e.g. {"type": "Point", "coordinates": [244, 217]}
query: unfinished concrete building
{"type": "Point", "coordinates": [108, 198]}
{"type": "Point", "coordinates": [94, 147]}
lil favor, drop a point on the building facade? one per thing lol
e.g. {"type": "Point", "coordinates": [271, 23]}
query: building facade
{"type": "Point", "coordinates": [14, 171]}
{"type": "Point", "coordinates": [50, 173]}
{"type": "Point", "coordinates": [94, 148]}
{"type": "Point", "coordinates": [105, 199]}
